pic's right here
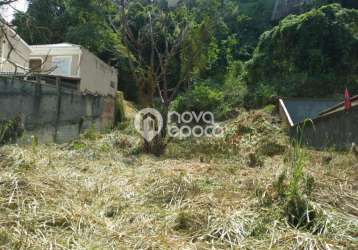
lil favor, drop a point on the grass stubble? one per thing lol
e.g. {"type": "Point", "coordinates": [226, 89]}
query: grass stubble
{"type": "Point", "coordinates": [102, 193]}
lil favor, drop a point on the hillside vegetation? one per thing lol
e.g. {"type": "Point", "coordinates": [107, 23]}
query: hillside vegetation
{"type": "Point", "coordinates": [242, 57]}
{"type": "Point", "coordinates": [310, 55]}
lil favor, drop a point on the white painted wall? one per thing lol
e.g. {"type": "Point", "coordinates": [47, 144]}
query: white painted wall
{"type": "Point", "coordinates": [96, 76]}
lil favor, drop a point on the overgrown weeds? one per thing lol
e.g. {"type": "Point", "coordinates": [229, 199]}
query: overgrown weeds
{"type": "Point", "coordinates": [296, 190]}
{"type": "Point", "coordinates": [91, 133]}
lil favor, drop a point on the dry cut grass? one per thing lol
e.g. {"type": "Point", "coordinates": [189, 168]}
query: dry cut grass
{"type": "Point", "coordinates": [101, 193]}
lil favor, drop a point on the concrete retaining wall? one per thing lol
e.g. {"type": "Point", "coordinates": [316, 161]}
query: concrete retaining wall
{"type": "Point", "coordinates": [53, 113]}
{"type": "Point", "coordinates": [338, 130]}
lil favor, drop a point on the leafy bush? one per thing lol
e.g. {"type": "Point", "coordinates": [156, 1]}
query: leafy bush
{"type": "Point", "coordinates": [234, 88]}
{"type": "Point", "coordinates": [221, 99]}
{"type": "Point", "coordinates": [201, 98]}
{"type": "Point", "coordinates": [314, 55]}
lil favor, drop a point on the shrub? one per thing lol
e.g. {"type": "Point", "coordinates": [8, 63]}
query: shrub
{"type": "Point", "coordinates": [280, 186]}
{"type": "Point", "coordinates": [234, 88]}
{"type": "Point", "coordinates": [221, 99]}
{"type": "Point", "coordinates": [201, 98]}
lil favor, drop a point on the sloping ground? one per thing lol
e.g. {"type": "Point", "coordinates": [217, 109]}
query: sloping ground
{"type": "Point", "coordinates": [101, 193]}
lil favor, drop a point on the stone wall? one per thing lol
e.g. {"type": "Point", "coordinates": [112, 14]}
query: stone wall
{"type": "Point", "coordinates": [53, 113]}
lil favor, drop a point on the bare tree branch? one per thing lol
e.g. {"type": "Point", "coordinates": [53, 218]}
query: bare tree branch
{"type": "Point", "coordinates": [6, 2]}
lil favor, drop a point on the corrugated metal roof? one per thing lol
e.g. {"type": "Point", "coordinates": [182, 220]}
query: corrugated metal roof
{"type": "Point", "coordinates": [339, 107]}
{"type": "Point", "coordinates": [299, 109]}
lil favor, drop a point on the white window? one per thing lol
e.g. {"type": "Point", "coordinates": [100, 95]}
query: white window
{"type": "Point", "coordinates": [61, 65]}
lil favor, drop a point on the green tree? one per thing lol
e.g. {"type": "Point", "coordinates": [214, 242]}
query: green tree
{"type": "Point", "coordinates": [44, 22]}
{"type": "Point", "coordinates": [224, 30]}
{"type": "Point", "coordinates": [82, 22]}
{"type": "Point", "coordinates": [153, 40]}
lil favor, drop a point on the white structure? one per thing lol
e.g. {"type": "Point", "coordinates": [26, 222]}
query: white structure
{"type": "Point", "coordinates": [15, 52]}
{"type": "Point", "coordinates": [66, 60]}
{"type": "Point", "coordinates": [74, 61]}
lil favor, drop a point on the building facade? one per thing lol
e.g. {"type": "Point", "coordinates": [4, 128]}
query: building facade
{"type": "Point", "coordinates": [74, 61]}
{"type": "Point", "coordinates": [56, 90]}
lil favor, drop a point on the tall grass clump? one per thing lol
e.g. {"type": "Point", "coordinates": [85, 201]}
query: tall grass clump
{"type": "Point", "coordinates": [298, 211]}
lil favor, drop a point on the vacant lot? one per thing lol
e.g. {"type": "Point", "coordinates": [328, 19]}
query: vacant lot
{"type": "Point", "coordinates": [100, 192]}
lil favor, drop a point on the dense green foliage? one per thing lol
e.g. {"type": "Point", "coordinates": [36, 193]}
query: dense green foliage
{"type": "Point", "coordinates": [344, 3]}
{"type": "Point", "coordinates": [314, 54]}
{"type": "Point", "coordinates": [202, 98]}
{"type": "Point", "coordinates": [74, 21]}
{"type": "Point", "coordinates": [242, 56]}
{"type": "Point", "coordinates": [221, 99]}
{"type": "Point", "coordinates": [226, 31]}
